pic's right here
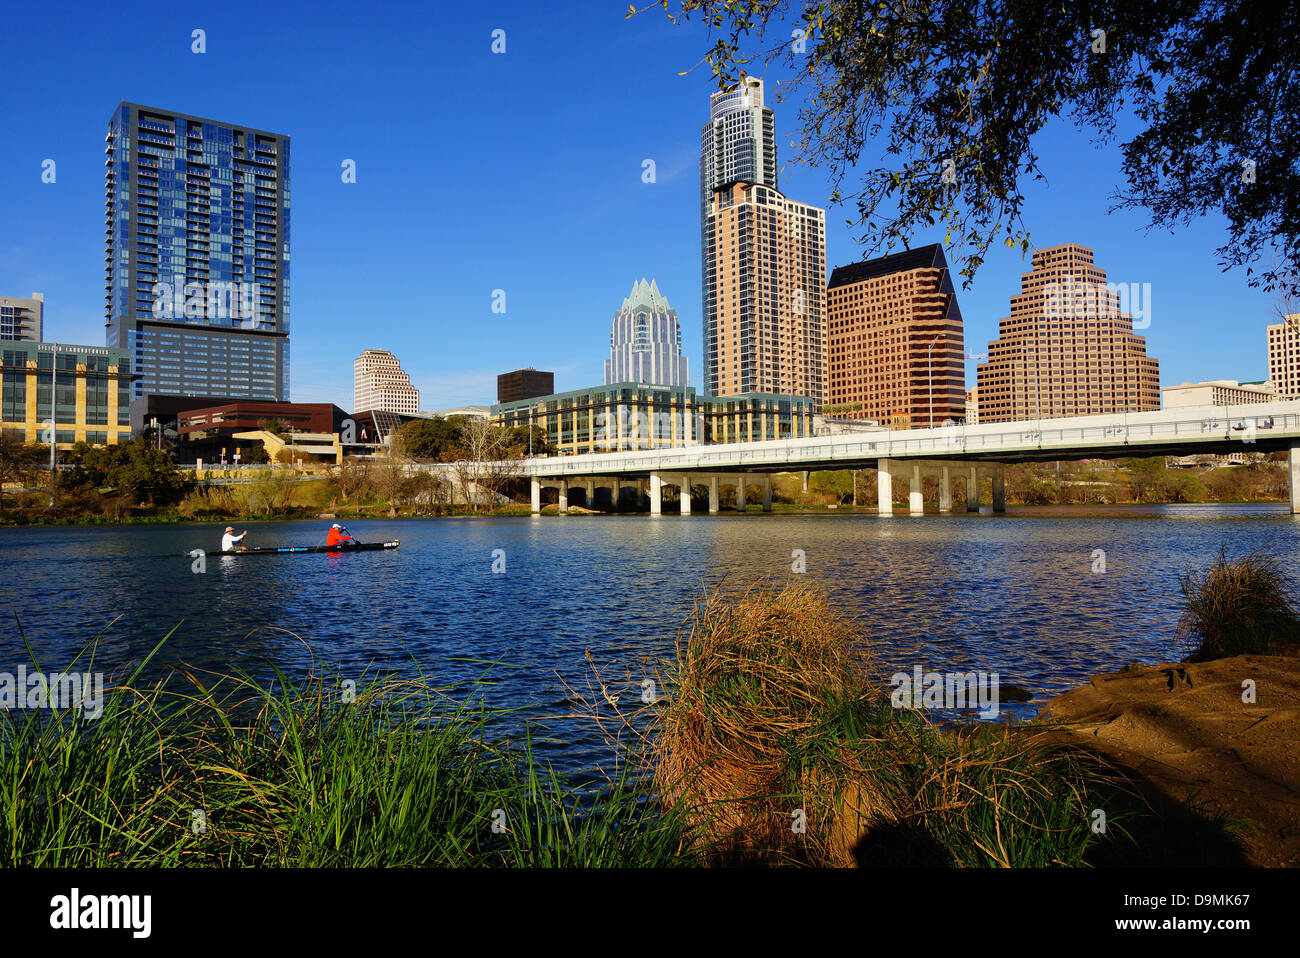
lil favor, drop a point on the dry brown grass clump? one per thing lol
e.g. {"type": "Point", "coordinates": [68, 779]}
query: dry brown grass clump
{"type": "Point", "coordinates": [1239, 607]}
{"type": "Point", "coordinates": [759, 680]}
{"type": "Point", "coordinates": [775, 723]}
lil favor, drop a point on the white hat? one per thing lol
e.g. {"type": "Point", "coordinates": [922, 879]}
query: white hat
{"type": "Point", "coordinates": [230, 528]}
{"type": "Point", "coordinates": [336, 526]}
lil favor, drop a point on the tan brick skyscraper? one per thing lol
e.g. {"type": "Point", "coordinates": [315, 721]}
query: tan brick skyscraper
{"type": "Point", "coordinates": [764, 294]}
{"type": "Point", "coordinates": [894, 341]}
{"type": "Point", "coordinates": [1067, 349]}
{"type": "Point", "coordinates": [1284, 356]}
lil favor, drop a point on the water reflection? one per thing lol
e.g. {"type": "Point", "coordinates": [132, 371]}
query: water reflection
{"type": "Point", "coordinates": [1013, 595]}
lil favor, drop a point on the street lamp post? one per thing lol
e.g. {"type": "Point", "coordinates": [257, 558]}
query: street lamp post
{"type": "Point", "coordinates": [930, 368]}
{"type": "Point", "coordinates": [539, 408]}
{"type": "Point", "coordinates": [54, 419]}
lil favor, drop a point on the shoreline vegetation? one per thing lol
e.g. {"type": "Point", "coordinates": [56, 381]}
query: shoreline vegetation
{"type": "Point", "coordinates": [133, 483]}
{"type": "Point", "coordinates": [771, 745]}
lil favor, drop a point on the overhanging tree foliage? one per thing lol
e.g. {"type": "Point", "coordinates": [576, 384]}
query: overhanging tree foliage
{"type": "Point", "coordinates": [940, 101]}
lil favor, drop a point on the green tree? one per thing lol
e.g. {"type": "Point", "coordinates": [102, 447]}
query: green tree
{"type": "Point", "coordinates": [134, 468]}
{"type": "Point", "coordinates": [274, 426]}
{"type": "Point", "coordinates": [935, 104]}
{"type": "Point", "coordinates": [542, 445]}
{"type": "Point", "coordinates": [20, 461]}
{"type": "Point", "coordinates": [1145, 477]}
{"type": "Point", "coordinates": [426, 440]}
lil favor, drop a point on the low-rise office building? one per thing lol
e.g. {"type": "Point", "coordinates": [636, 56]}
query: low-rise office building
{"type": "Point", "coordinates": [1217, 392]}
{"type": "Point", "coordinates": [85, 391]}
{"type": "Point", "coordinates": [213, 432]}
{"type": "Point", "coordinates": [639, 416]}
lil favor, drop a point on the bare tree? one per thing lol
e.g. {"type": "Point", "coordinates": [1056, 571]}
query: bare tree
{"type": "Point", "coordinates": [352, 478]}
{"type": "Point", "coordinates": [486, 459]}
{"type": "Point", "coordinates": [430, 490]}
{"type": "Point", "coordinates": [392, 478]}
{"type": "Point", "coordinates": [274, 490]}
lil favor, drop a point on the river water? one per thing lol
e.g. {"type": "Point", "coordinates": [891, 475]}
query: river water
{"type": "Point", "coordinates": [1014, 594]}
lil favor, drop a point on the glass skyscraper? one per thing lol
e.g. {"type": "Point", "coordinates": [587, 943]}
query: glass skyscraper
{"type": "Point", "coordinates": [645, 343]}
{"type": "Point", "coordinates": [197, 254]}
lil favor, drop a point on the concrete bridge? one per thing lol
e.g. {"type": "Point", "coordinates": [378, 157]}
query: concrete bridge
{"type": "Point", "coordinates": [949, 453]}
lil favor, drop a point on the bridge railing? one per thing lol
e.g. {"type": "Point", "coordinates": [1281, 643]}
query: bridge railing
{"type": "Point", "coordinates": [1209, 426]}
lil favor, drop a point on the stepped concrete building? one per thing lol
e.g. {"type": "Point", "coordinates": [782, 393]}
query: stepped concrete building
{"type": "Point", "coordinates": [1284, 356]}
{"type": "Point", "coordinates": [763, 260]}
{"type": "Point", "coordinates": [645, 344]}
{"type": "Point", "coordinates": [895, 343]}
{"type": "Point", "coordinates": [1067, 349]}
{"type": "Point", "coordinates": [196, 270]}
{"type": "Point", "coordinates": [22, 319]}
{"type": "Point", "coordinates": [379, 384]}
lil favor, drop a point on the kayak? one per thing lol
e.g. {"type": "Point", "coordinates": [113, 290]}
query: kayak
{"type": "Point", "coordinates": [354, 547]}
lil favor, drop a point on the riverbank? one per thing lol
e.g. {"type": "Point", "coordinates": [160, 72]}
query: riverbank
{"type": "Point", "coordinates": [1219, 739]}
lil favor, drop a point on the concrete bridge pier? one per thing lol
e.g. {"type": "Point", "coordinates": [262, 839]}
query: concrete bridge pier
{"type": "Point", "coordinates": [656, 494]}
{"type": "Point", "coordinates": [885, 487]}
{"type": "Point", "coordinates": [1000, 489]}
{"type": "Point", "coordinates": [684, 492]}
{"type": "Point", "coordinates": [564, 496]}
{"type": "Point", "coordinates": [537, 495]}
{"type": "Point", "coordinates": [767, 493]}
{"type": "Point", "coordinates": [973, 490]}
{"type": "Point", "coordinates": [945, 491]}
{"type": "Point", "coordinates": [713, 494]}
{"type": "Point", "coordinates": [915, 499]}
{"type": "Point", "coordinates": [1293, 461]}
{"type": "Point", "coordinates": [740, 493]}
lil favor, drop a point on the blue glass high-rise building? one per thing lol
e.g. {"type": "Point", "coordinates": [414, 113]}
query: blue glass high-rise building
{"type": "Point", "coordinates": [197, 254]}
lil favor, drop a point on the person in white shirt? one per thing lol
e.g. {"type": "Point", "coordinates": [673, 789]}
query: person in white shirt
{"type": "Point", "coordinates": [229, 540]}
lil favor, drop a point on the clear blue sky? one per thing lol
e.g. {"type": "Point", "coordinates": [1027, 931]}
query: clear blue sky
{"type": "Point", "coordinates": [478, 171]}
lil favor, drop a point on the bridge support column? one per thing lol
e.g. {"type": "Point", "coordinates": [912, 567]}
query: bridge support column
{"type": "Point", "coordinates": [1293, 460]}
{"type": "Point", "coordinates": [973, 490]}
{"type": "Point", "coordinates": [1000, 489]}
{"type": "Point", "coordinates": [915, 498]}
{"type": "Point", "coordinates": [564, 496]}
{"type": "Point", "coordinates": [685, 488]}
{"type": "Point", "coordinates": [590, 487]}
{"type": "Point", "coordinates": [656, 494]}
{"type": "Point", "coordinates": [713, 493]}
{"type": "Point", "coordinates": [767, 493]}
{"type": "Point", "coordinates": [945, 491]}
{"type": "Point", "coordinates": [884, 488]}
{"type": "Point", "coordinates": [537, 495]}
{"type": "Point", "coordinates": [740, 493]}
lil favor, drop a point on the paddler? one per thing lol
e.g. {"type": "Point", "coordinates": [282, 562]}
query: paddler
{"type": "Point", "coordinates": [230, 540]}
{"type": "Point", "coordinates": [336, 536]}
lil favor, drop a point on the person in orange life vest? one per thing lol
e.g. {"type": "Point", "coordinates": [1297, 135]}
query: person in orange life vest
{"type": "Point", "coordinates": [336, 536]}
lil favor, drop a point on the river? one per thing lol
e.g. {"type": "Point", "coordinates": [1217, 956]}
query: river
{"type": "Point", "coordinates": [1014, 594]}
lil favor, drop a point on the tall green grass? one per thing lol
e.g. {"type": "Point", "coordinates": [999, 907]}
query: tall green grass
{"type": "Point", "coordinates": [288, 773]}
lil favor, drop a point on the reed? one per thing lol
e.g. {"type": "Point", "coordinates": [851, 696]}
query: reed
{"type": "Point", "coordinates": [1236, 607]}
{"type": "Point", "coordinates": [779, 750]}
{"type": "Point", "coordinates": [204, 770]}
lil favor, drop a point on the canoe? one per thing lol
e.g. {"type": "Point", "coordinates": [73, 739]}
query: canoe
{"type": "Point", "coordinates": [355, 547]}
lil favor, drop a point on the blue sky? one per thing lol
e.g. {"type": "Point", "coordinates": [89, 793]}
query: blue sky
{"type": "Point", "coordinates": [479, 171]}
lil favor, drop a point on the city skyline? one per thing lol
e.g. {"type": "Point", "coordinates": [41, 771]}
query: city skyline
{"type": "Point", "coordinates": [441, 315]}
